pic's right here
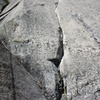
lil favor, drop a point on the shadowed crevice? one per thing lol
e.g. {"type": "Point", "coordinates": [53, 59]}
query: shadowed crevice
{"type": "Point", "coordinates": [8, 11]}
{"type": "Point", "coordinates": [59, 89]}
{"type": "Point", "coordinates": [6, 3]}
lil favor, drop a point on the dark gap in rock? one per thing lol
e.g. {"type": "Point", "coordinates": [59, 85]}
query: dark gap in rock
{"type": "Point", "coordinates": [59, 87]}
{"type": "Point", "coordinates": [9, 9]}
{"type": "Point", "coordinates": [56, 4]}
{"type": "Point", "coordinates": [7, 2]}
{"type": "Point", "coordinates": [2, 17]}
{"type": "Point", "coordinates": [4, 7]}
{"type": "Point", "coordinates": [42, 4]}
{"type": "Point", "coordinates": [60, 52]}
{"type": "Point", "coordinates": [87, 84]}
{"type": "Point", "coordinates": [97, 40]}
{"type": "Point", "coordinates": [98, 90]}
{"type": "Point", "coordinates": [55, 61]}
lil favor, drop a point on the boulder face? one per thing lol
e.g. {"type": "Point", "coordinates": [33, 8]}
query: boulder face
{"type": "Point", "coordinates": [50, 50]}
{"type": "Point", "coordinates": [16, 83]}
{"type": "Point", "coordinates": [80, 66]}
{"type": "Point", "coordinates": [31, 33]}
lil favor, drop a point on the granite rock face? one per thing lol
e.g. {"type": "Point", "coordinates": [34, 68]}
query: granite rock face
{"type": "Point", "coordinates": [80, 66]}
{"type": "Point", "coordinates": [16, 83]}
{"type": "Point", "coordinates": [50, 50]}
{"type": "Point", "coordinates": [32, 31]}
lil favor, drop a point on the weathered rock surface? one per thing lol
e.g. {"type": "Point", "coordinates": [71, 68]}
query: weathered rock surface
{"type": "Point", "coordinates": [32, 31]}
{"type": "Point", "coordinates": [15, 82]}
{"type": "Point", "coordinates": [80, 66]}
{"type": "Point", "coordinates": [35, 35]}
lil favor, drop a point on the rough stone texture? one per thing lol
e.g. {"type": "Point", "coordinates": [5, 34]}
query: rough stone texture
{"type": "Point", "coordinates": [31, 34]}
{"type": "Point", "coordinates": [6, 89]}
{"type": "Point", "coordinates": [32, 31]}
{"type": "Point", "coordinates": [15, 82]}
{"type": "Point", "coordinates": [80, 66]}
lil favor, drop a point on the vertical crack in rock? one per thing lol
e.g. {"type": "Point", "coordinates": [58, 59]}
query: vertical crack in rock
{"type": "Point", "coordinates": [60, 88]}
{"type": "Point", "coordinates": [60, 54]}
{"type": "Point", "coordinates": [56, 61]}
